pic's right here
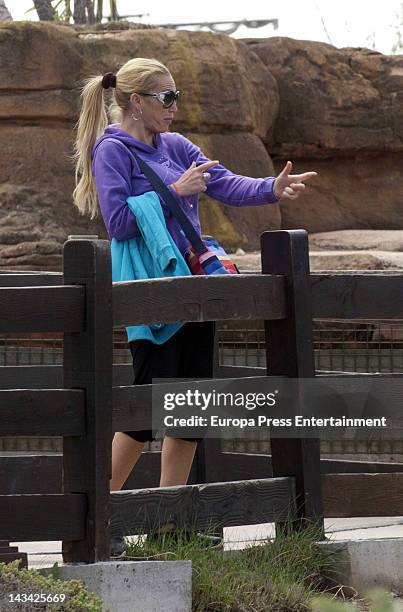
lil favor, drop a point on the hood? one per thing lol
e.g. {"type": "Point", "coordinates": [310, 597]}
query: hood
{"type": "Point", "coordinates": [114, 131]}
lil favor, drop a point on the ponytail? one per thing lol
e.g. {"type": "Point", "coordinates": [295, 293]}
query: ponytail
{"type": "Point", "coordinates": [91, 124]}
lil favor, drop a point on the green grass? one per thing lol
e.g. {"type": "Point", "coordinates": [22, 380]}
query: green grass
{"type": "Point", "coordinates": [376, 600]}
{"type": "Point", "coordinates": [280, 576]}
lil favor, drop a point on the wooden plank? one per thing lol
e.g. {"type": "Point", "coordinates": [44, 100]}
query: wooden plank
{"type": "Point", "coordinates": [42, 474]}
{"type": "Point", "coordinates": [8, 554]}
{"type": "Point", "coordinates": [132, 408]}
{"type": "Point", "coordinates": [6, 557]}
{"type": "Point", "coordinates": [238, 324]}
{"type": "Point", "coordinates": [357, 295]}
{"type": "Point", "coordinates": [350, 495]}
{"type": "Point", "coordinates": [290, 352]}
{"type": "Point", "coordinates": [202, 506]}
{"type": "Point", "coordinates": [242, 466]}
{"type": "Point", "coordinates": [334, 295]}
{"type": "Point", "coordinates": [237, 466]}
{"type": "Point", "coordinates": [198, 298]}
{"type": "Point", "coordinates": [50, 412]}
{"type": "Point", "coordinates": [37, 474]}
{"type": "Point", "coordinates": [41, 309]}
{"type": "Point", "coordinates": [337, 466]}
{"type": "Point", "coordinates": [42, 517]}
{"type": "Point", "coordinates": [122, 374]}
{"type": "Point", "coordinates": [87, 364]}
{"type": "Point", "coordinates": [132, 405]}
{"type": "Point", "coordinates": [8, 549]}
{"type": "Point", "coordinates": [51, 376]}
{"type": "Point", "coordinates": [233, 371]}
{"type": "Point", "coordinates": [31, 377]}
{"type": "Point", "coordinates": [31, 279]}
{"type": "Point", "coordinates": [30, 474]}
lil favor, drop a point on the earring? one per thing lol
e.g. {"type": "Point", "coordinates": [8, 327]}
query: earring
{"type": "Point", "coordinates": [136, 118]}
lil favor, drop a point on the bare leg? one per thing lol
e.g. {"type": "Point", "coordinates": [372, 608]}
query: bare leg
{"type": "Point", "coordinates": [176, 461]}
{"type": "Point", "coordinates": [125, 454]}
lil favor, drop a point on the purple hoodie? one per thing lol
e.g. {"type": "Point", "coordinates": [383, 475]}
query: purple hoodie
{"type": "Point", "coordinates": [118, 176]}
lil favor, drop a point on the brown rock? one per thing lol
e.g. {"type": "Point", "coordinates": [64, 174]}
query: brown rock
{"type": "Point", "coordinates": [32, 216]}
{"type": "Point", "coordinates": [333, 260]}
{"type": "Point", "coordinates": [244, 154]}
{"type": "Point", "coordinates": [36, 178]}
{"type": "Point", "coordinates": [224, 84]}
{"type": "Point", "coordinates": [35, 154]}
{"type": "Point", "coordinates": [351, 193]}
{"type": "Point", "coordinates": [57, 105]}
{"type": "Point", "coordinates": [333, 101]}
{"type": "Point", "coordinates": [226, 88]}
{"type": "Point", "coordinates": [116, 25]}
{"type": "Point", "coordinates": [42, 255]}
{"type": "Point", "coordinates": [386, 73]}
{"type": "Point", "coordinates": [355, 260]}
{"type": "Point", "coordinates": [40, 56]}
{"type": "Point", "coordinates": [340, 114]}
{"type": "Point", "coordinates": [379, 240]}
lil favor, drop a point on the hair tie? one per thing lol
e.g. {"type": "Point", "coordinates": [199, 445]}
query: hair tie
{"type": "Point", "coordinates": [109, 80]}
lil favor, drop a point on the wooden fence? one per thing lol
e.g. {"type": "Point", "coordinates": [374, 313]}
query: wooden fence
{"type": "Point", "coordinates": [88, 398]}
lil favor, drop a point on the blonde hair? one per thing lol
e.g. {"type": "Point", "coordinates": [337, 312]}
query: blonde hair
{"type": "Point", "coordinates": [136, 74]}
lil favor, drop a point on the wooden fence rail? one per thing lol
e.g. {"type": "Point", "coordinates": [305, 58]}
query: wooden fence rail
{"type": "Point", "coordinates": [43, 517]}
{"type": "Point", "coordinates": [199, 298]}
{"type": "Point", "coordinates": [349, 488]}
{"type": "Point", "coordinates": [88, 398]}
{"type": "Point", "coordinates": [56, 309]}
{"type": "Point", "coordinates": [371, 294]}
{"type": "Point", "coordinates": [204, 506]}
{"type": "Point", "coordinates": [53, 412]}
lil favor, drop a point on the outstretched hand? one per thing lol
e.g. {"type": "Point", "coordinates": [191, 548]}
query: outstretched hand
{"type": "Point", "coordinates": [288, 186]}
{"type": "Point", "coordinates": [194, 179]}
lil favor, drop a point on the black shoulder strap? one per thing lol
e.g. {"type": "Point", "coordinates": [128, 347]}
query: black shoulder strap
{"type": "Point", "coordinates": [169, 200]}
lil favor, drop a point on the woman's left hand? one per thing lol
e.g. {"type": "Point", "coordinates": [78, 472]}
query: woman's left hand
{"type": "Point", "coordinates": [288, 186]}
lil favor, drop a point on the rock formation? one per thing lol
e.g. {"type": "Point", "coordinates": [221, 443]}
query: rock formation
{"type": "Point", "coordinates": [344, 250]}
{"type": "Point", "coordinates": [252, 104]}
{"type": "Point", "coordinates": [229, 104]}
{"type": "Point", "coordinates": [341, 113]}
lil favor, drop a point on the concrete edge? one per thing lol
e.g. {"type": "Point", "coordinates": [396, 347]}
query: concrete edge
{"type": "Point", "coordinates": [368, 564]}
{"type": "Point", "coordinates": [138, 586]}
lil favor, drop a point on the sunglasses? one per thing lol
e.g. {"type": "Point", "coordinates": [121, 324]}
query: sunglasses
{"type": "Point", "coordinates": [167, 98]}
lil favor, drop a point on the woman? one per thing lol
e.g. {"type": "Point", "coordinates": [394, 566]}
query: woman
{"type": "Point", "coordinates": [146, 96]}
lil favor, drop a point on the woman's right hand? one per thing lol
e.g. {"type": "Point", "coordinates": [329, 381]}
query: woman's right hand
{"type": "Point", "coordinates": [192, 180]}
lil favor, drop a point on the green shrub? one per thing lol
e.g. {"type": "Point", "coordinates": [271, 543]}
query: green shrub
{"type": "Point", "coordinates": [15, 580]}
{"type": "Point", "coordinates": [376, 601]}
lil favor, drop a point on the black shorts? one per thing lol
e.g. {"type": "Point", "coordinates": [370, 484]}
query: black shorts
{"type": "Point", "coordinates": [189, 353]}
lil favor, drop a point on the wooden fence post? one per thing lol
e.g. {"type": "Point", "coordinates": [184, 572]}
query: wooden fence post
{"type": "Point", "coordinates": [290, 352]}
{"type": "Point", "coordinates": [87, 364]}
{"type": "Point", "coordinates": [10, 553]}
